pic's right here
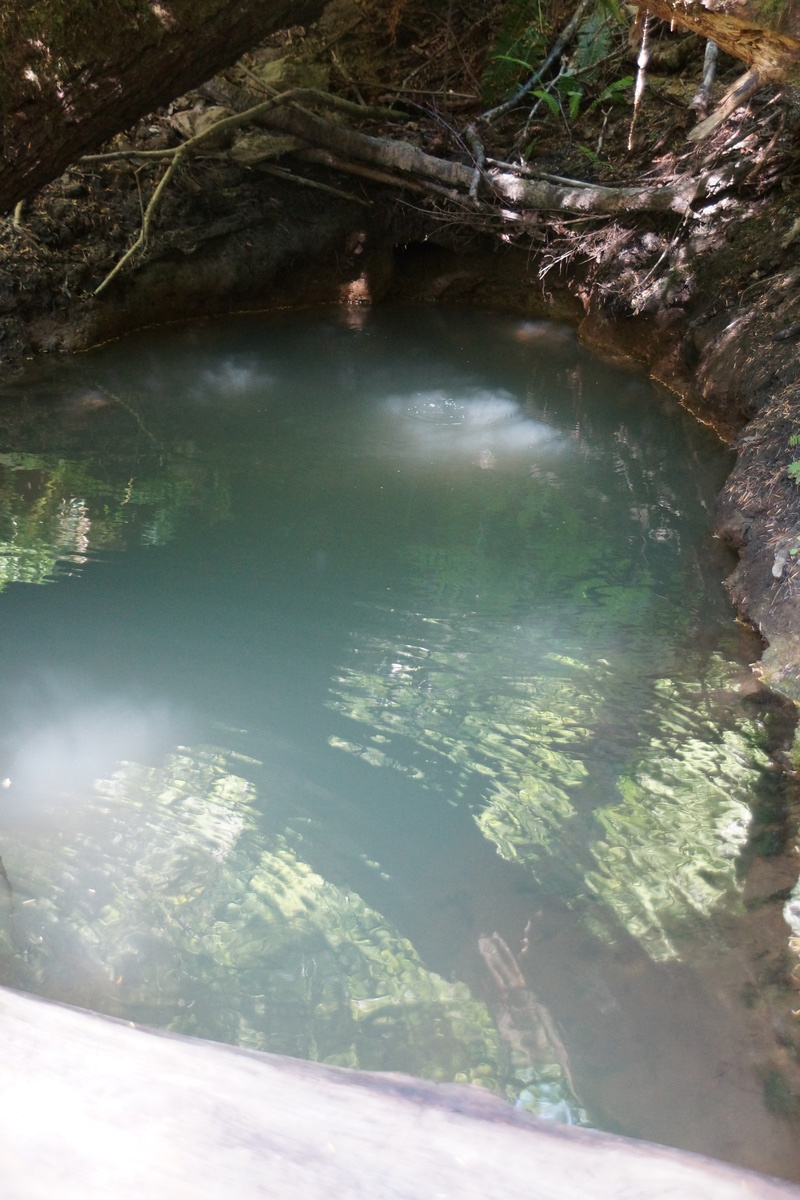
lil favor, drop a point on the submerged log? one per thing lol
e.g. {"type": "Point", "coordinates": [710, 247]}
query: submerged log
{"type": "Point", "coordinates": [94, 1108]}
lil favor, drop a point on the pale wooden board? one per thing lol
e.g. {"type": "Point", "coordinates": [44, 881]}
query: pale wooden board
{"type": "Point", "coordinates": [91, 1108]}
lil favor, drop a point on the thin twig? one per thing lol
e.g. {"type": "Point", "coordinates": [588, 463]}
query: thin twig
{"type": "Point", "coordinates": [530, 173]}
{"type": "Point", "coordinates": [429, 56]}
{"type": "Point", "coordinates": [129, 409]}
{"type": "Point", "coordinates": [415, 91]}
{"type": "Point", "coordinates": [259, 83]}
{"type": "Point", "coordinates": [348, 78]}
{"type": "Point", "coordinates": [641, 75]}
{"type": "Point", "coordinates": [601, 139]}
{"type": "Point", "coordinates": [112, 155]}
{"type": "Point", "coordinates": [328, 159]}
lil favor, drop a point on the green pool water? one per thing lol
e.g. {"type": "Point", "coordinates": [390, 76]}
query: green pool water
{"type": "Point", "coordinates": [383, 705]}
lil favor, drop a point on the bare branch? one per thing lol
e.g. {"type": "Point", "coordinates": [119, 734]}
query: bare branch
{"type": "Point", "coordinates": [745, 86]}
{"type": "Point", "coordinates": [537, 194]}
{"type": "Point", "coordinates": [702, 97]}
{"type": "Point", "coordinates": [282, 173]}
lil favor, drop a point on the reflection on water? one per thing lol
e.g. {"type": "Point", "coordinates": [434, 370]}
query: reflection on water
{"type": "Point", "coordinates": [194, 930]}
{"type": "Point", "coordinates": [386, 709]}
{"type": "Point", "coordinates": [466, 420]}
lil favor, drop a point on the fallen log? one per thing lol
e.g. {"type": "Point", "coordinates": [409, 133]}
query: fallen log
{"type": "Point", "coordinates": [536, 194]}
{"type": "Point", "coordinates": [762, 34]}
{"type": "Point", "coordinates": [403, 165]}
{"type": "Point", "coordinates": [94, 1108]}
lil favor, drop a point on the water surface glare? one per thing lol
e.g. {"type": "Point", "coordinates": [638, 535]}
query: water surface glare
{"type": "Point", "coordinates": [385, 707]}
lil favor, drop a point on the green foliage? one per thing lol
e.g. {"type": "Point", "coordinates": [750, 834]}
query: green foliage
{"type": "Point", "coordinates": [593, 43]}
{"type": "Point", "coordinates": [170, 905]}
{"type": "Point", "coordinates": [668, 852]}
{"type": "Point", "coordinates": [549, 100]}
{"type": "Point", "coordinates": [569, 95]}
{"type": "Point", "coordinates": [521, 40]}
{"type": "Point", "coordinates": [76, 508]}
{"type": "Point", "coordinates": [615, 92]}
{"type": "Point", "coordinates": [523, 43]}
{"type": "Point", "coordinates": [793, 470]}
{"type": "Point", "coordinates": [207, 928]}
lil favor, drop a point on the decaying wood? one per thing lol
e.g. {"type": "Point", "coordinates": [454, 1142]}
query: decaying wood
{"type": "Point", "coordinates": [93, 1108]}
{"type": "Point", "coordinates": [523, 1021]}
{"type": "Point", "coordinates": [701, 100]}
{"type": "Point", "coordinates": [745, 86]}
{"type": "Point", "coordinates": [763, 35]}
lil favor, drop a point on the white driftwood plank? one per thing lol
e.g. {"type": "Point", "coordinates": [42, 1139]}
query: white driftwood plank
{"type": "Point", "coordinates": [94, 1108]}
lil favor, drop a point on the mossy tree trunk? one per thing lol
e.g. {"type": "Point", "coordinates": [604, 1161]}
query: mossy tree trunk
{"type": "Point", "coordinates": [75, 72]}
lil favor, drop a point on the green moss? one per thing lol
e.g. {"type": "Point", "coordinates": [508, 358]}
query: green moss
{"type": "Point", "coordinates": [46, 42]}
{"type": "Point", "coordinates": [52, 33]}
